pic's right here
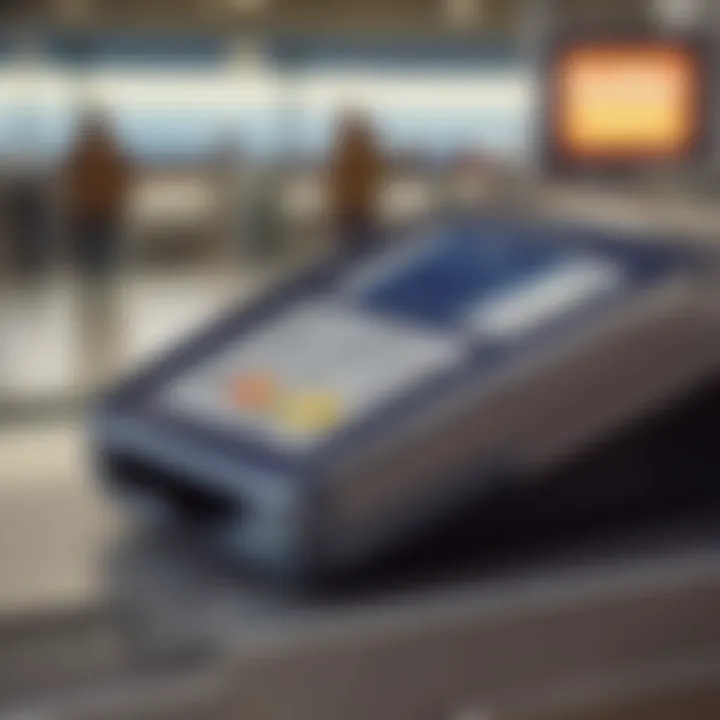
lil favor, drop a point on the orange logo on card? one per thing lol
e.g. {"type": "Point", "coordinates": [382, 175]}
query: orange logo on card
{"type": "Point", "coordinates": [255, 391]}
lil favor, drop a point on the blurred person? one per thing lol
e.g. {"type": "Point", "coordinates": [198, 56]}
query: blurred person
{"type": "Point", "coordinates": [262, 229]}
{"type": "Point", "coordinates": [249, 192]}
{"type": "Point", "coordinates": [474, 176]}
{"type": "Point", "coordinates": [96, 185]}
{"type": "Point", "coordinates": [228, 169]}
{"type": "Point", "coordinates": [473, 184]}
{"type": "Point", "coordinates": [25, 206]}
{"type": "Point", "coordinates": [355, 180]}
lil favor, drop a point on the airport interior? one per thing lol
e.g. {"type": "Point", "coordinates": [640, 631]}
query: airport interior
{"type": "Point", "coordinates": [589, 592]}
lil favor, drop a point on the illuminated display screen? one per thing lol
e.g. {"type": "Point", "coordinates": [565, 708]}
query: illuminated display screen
{"type": "Point", "coordinates": [626, 102]}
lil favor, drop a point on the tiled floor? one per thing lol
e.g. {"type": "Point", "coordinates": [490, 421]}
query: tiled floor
{"type": "Point", "coordinates": [53, 524]}
{"type": "Point", "coordinates": [53, 531]}
{"type": "Point", "coordinates": [41, 348]}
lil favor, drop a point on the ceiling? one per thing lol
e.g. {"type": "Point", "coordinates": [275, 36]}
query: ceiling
{"type": "Point", "coordinates": [427, 17]}
{"type": "Point", "coordinates": [482, 18]}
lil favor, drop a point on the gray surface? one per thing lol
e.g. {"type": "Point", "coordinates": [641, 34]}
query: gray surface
{"type": "Point", "coordinates": [171, 631]}
{"type": "Point", "coordinates": [489, 650]}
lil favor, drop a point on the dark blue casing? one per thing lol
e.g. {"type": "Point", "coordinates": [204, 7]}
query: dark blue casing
{"type": "Point", "coordinates": [419, 452]}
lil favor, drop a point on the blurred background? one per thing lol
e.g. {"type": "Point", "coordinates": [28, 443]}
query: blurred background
{"type": "Point", "coordinates": [225, 113]}
{"type": "Point", "coordinates": [216, 120]}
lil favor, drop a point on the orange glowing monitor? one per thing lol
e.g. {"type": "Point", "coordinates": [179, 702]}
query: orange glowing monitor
{"type": "Point", "coordinates": [627, 102]}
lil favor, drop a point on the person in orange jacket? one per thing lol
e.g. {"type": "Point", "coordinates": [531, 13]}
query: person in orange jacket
{"type": "Point", "coordinates": [96, 186]}
{"type": "Point", "coordinates": [355, 181]}
{"type": "Point", "coordinates": [96, 183]}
